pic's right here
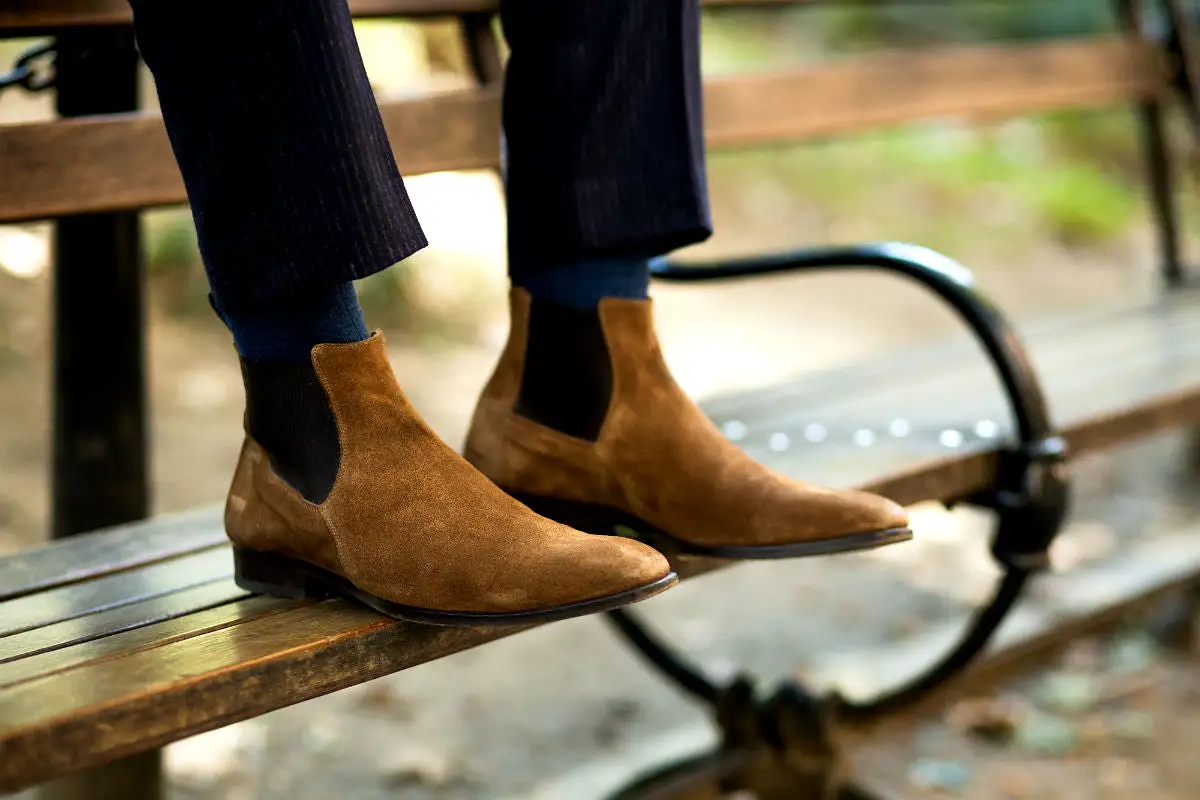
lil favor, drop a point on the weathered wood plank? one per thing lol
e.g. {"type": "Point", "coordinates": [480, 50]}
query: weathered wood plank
{"type": "Point", "coordinates": [157, 635]}
{"type": "Point", "coordinates": [456, 130]}
{"type": "Point", "coordinates": [125, 161]}
{"type": "Point", "coordinates": [82, 717]}
{"type": "Point", "coordinates": [114, 590]}
{"type": "Point", "coordinates": [126, 617]}
{"type": "Point", "coordinates": [34, 15]}
{"type": "Point", "coordinates": [90, 555]}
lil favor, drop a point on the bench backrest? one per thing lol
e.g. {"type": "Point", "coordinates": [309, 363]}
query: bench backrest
{"type": "Point", "coordinates": [121, 162]}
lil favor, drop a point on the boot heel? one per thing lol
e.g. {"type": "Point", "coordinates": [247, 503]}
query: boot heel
{"type": "Point", "coordinates": [277, 576]}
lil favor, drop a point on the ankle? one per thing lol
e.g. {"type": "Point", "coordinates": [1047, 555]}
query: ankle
{"type": "Point", "coordinates": [583, 284]}
{"type": "Point", "coordinates": [330, 316]}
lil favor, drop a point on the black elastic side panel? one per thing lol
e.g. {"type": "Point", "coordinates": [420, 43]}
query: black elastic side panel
{"type": "Point", "coordinates": [567, 381]}
{"type": "Point", "coordinates": [288, 413]}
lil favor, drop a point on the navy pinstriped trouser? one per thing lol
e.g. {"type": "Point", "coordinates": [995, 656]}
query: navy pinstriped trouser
{"type": "Point", "coordinates": [292, 181]}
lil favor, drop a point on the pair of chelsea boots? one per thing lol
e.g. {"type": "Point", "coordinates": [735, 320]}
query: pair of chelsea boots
{"type": "Point", "coordinates": [506, 533]}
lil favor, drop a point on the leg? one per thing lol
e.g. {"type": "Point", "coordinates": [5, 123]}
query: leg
{"type": "Point", "coordinates": [341, 488]}
{"type": "Point", "coordinates": [288, 169]}
{"type": "Point", "coordinates": [605, 170]}
{"type": "Point", "coordinates": [582, 420]}
{"type": "Point", "coordinates": [604, 130]}
{"type": "Point", "coordinates": [293, 189]}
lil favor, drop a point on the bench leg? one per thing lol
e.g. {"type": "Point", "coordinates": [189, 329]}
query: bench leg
{"type": "Point", "coordinates": [1159, 167]}
{"type": "Point", "coordinates": [99, 377]}
{"type": "Point", "coordinates": [134, 778]}
{"type": "Point", "coordinates": [100, 469]}
{"type": "Point", "coordinates": [1162, 190]}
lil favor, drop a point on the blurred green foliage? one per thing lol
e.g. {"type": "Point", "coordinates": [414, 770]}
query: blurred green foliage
{"type": "Point", "coordinates": [943, 189]}
{"type": "Point", "coordinates": [855, 26]}
{"type": "Point", "coordinates": [173, 262]}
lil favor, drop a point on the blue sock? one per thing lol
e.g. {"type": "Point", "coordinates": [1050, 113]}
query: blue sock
{"type": "Point", "coordinates": [584, 284]}
{"type": "Point", "coordinates": [333, 316]}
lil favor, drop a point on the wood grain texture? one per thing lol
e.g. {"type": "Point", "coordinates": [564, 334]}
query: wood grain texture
{"type": "Point", "coordinates": [456, 130]}
{"type": "Point", "coordinates": [34, 15]}
{"type": "Point", "coordinates": [124, 643]}
{"type": "Point", "coordinates": [79, 718]}
{"type": "Point", "coordinates": [114, 590]}
{"type": "Point", "coordinates": [93, 554]}
{"type": "Point", "coordinates": [125, 162]}
{"type": "Point", "coordinates": [130, 616]}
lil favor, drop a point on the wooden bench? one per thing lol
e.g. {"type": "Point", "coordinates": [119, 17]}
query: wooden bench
{"type": "Point", "coordinates": [116, 642]}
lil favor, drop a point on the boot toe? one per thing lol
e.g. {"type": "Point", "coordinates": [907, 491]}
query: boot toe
{"type": "Point", "coordinates": [798, 514]}
{"type": "Point", "coordinates": [867, 512]}
{"type": "Point", "coordinates": [594, 567]}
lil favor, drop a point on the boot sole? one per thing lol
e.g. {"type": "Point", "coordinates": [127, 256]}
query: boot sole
{"type": "Point", "coordinates": [280, 576]}
{"type": "Point", "coordinates": [599, 519]}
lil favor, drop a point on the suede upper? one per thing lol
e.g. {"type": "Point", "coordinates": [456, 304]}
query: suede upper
{"type": "Point", "coordinates": [657, 456]}
{"type": "Point", "coordinates": [410, 521]}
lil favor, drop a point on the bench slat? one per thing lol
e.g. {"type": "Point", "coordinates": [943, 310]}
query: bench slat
{"type": "Point", "coordinates": [199, 621]}
{"type": "Point", "coordinates": [121, 706]}
{"type": "Point", "coordinates": [94, 554]}
{"type": "Point", "coordinates": [1158, 331]}
{"type": "Point", "coordinates": [125, 161]}
{"type": "Point", "coordinates": [1091, 368]}
{"type": "Point", "coordinates": [33, 15]}
{"type": "Point", "coordinates": [116, 620]}
{"type": "Point", "coordinates": [115, 590]}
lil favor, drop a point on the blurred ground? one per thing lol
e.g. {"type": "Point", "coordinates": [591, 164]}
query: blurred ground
{"type": "Point", "coordinates": [563, 712]}
{"type": "Point", "coordinates": [1106, 722]}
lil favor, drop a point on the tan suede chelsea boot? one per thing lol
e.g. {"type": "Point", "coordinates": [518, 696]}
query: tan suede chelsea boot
{"type": "Point", "coordinates": [411, 529]}
{"type": "Point", "coordinates": [656, 464]}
